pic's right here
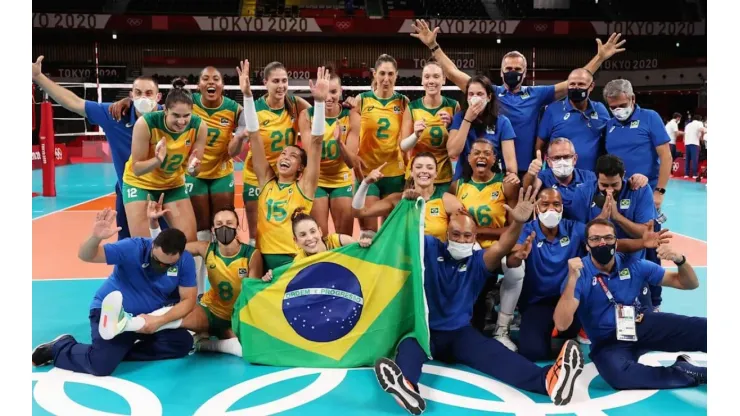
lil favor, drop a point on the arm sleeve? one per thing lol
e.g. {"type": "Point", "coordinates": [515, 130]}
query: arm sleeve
{"type": "Point", "coordinates": [645, 209]}
{"type": "Point", "coordinates": [507, 131]}
{"type": "Point", "coordinates": [652, 273]}
{"type": "Point", "coordinates": [187, 272]}
{"type": "Point", "coordinates": [545, 94]}
{"type": "Point", "coordinates": [122, 251]}
{"type": "Point", "coordinates": [457, 121]}
{"type": "Point", "coordinates": [97, 113]}
{"type": "Point", "coordinates": [526, 230]}
{"type": "Point", "coordinates": [658, 134]}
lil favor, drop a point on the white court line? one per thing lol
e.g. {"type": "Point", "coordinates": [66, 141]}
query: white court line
{"type": "Point", "coordinates": [36, 279]}
{"type": "Point", "coordinates": [72, 206]}
{"type": "Point", "coordinates": [689, 237]}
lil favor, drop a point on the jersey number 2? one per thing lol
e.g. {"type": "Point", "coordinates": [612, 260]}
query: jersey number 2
{"type": "Point", "coordinates": [383, 125]}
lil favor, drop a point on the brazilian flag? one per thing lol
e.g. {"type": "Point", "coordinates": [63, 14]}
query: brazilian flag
{"type": "Point", "coordinates": [341, 308]}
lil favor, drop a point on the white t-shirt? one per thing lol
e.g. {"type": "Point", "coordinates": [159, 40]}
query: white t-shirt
{"type": "Point", "coordinates": [692, 132]}
{"type": "Point", "coordinates": [672, 128]}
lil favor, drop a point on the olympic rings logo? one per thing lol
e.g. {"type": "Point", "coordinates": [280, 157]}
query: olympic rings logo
{"type": "Point", "coordinates": [49, 392]}
{"type": "Point", "coordinates": [540, 28]}
{"type": "Point", "coordinates": [134, 22]}
{"type": "Point", "coordinates": [343, 24]}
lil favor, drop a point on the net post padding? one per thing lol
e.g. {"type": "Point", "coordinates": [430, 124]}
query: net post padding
{"type": "Point", "coordinates": [47, 143]}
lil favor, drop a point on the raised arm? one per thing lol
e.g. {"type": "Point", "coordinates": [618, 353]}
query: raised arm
{"type": "Point", "coordinates": [61, 95]}
{"type": "Point", "coordinates": [603, 52]}
{"type": "Point", "coordinates": [197, 248]}
{"type": "Point", "coordinates": [142, 163]}
{"type": "Point", "coordinates": [568, 303]}
{"type": "Point", "coordinates": [262, 168]}
{"type": "Point", "coordinates": [91, 251]}
{"type": "Point", "coordinates": [310, 179]}
{"type": "Point", "coordinates": [520, 215]}
{"type": "Point", "coordinates": [429, 38]}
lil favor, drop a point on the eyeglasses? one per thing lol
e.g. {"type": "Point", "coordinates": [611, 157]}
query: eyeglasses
{"type": "Point", "coordinates": [608, 239]}
{"type": "Point", "coordinates": [564, 157]}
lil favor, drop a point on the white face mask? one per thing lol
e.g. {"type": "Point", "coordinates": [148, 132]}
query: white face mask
{"type": "Point", "coordinates": [550, 218]}
{"type": "Point", "coordinates": [145, 105]}
{"type": "Point", "coordinates": [562, 168]}
{"type": "Point", "coordinates": [474, 99]}
{"type": "Point", "coordinates": [622, 114]}
{"type": "Point", "coordinates": [459, 251]}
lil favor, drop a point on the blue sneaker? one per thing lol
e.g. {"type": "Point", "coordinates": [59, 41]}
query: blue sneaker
{"type": "Point", "coordinates": [685, 364]}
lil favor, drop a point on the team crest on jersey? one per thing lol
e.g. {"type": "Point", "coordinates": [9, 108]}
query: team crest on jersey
{"type": "Point", "coordinates": [494, 195]}
{"type": "Point", "coordinates": [624, 274]}
{"type": "Point", "coordinates": [397, 109]}
{"type": "Point", "coordinates": [434, 211]}
{"type": "Point", "coordinates": [564, 241]}
{"type": "Point", "coordinates": [242, 273]}
{"type": "Point", "coordinates": [172, 271]}
{"type": "Point", "coordinates": [525, 95]}
{"type": "Point", "coordinates": [491, 130]}
{"type": "Point", "coordinates": [635, 124]}
{"type": "Point", "coordinates": [595, 115]}
{"type": "Point", "coordinates": [224, 121]}
{"type": "Point", "coordinates": [624, 204]}
{"type": "Point", "coordinates": [567, 116]}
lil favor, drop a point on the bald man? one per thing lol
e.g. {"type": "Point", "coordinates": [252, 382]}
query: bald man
{"type": "Point", "coordinates": [453, 277]}
{"type": "Point", "coordinates": [578, 118]}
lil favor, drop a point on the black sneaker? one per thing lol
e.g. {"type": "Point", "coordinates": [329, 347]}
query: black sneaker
{"type": "Point", "coordinates": [42, 354]}
{"type": "Point", "coordinates": [685, 364]}
{"type": "Point", "coordinates": [392, 381]}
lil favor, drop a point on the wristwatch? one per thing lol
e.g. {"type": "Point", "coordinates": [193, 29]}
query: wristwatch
{"type": "Point", "coordinates": [682, 262]}
{"type": "Point", "coordinates": [661, 190]}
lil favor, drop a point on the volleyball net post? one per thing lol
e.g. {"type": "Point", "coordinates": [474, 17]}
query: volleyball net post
{"type": "Point", "coordinates": [47, 143]}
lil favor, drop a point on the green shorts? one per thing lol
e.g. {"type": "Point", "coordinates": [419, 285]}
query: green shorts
{"type": "Point", "coordinates": [250, 193]}
{"type": "Point", "coordinates": [273, 261]}
{"type": "Point", "coordinates": [216, 326]}
{"type": "Point", "coordinates": [385, 186]}
{"type": "Point", "coordinates": [133, 194]}
{"type": "Point", "coordinates": [198, 186]}
{"type": "Point", "coordinates": [341, 192]}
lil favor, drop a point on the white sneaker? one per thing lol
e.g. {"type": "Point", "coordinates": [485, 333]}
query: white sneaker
{"type": "Point", "coordinates": [502, 331]}
{"type": "Point", "coordinates": [113, 318]}
{"type": "Point", "coordinates": [391, 380]}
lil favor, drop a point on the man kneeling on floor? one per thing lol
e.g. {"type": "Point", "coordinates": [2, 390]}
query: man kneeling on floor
{"type": "Point", "coordinates": [150, 275]}
{"type": "Point", "coordinates": [604, 288]}
{"type": "Point", "coordinates": [454, 275]}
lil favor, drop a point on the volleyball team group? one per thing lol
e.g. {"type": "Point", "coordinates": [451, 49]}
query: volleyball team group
{"type": "Point", "coordinates": [357, 159]}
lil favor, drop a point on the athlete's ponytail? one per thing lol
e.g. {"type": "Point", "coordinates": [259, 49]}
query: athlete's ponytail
{"type": "Point", "coordinates": [178, 93]}
{"type": "Point", "coordinates": [298, 216]}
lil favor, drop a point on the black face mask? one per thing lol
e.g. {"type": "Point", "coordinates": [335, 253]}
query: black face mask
{"type": "Point", "coordinates": [225, 235]}
{"type": "Point", "coordinates": [603, 254]}
{"type": "Point", "coordinates": [577, 95]}
{"type": "Point", "coordinates": [157, 265]}
{"type": "Point", "coordinates": [512, 78]}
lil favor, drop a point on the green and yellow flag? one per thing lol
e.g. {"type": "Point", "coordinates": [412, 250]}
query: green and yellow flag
{"type": "Point", "coordinates": [342, 308]}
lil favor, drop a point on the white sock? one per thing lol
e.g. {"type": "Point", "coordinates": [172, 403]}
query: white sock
{"type": "Point", "coordinates": [226, 346]}
{"type": "Point", "coordinates": [136, 323]}
{"type": "Point", "coordinates": [200, 264]}
{"type": "Point", "coordinates": [511, 288]}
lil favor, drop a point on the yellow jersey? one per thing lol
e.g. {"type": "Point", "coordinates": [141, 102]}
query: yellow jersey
{"type": "Point", "coordinates": [331, 241]}
{"type": "Point", "coordinates": [381, 125]}
{"type": "Point", "coordinates": [436, 218]}
{"type": "Point", "coordinates": [277, 130]}
{"type": "Point", "coordinates": [434, 138]}
{"type": "Point", "coordinates": [225, 275]}
{"type": "Point", "coordinates": [485, 202]}
{"type": "Point", "coordinates": [170, 173]}
{"type": "Point", "coordinates": [334, 170]}
{"type": "Point", "coordinates": [221, 122]}
{"type": "Point", "coordinates": [276, 204]}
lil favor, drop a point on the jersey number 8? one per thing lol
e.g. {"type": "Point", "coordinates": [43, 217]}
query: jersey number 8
{"type": "Point", "coordinates": [225, 291]}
